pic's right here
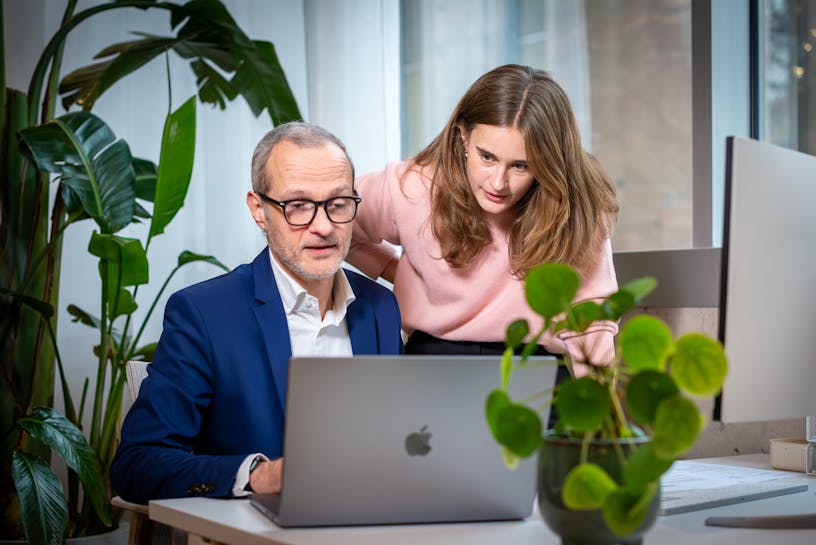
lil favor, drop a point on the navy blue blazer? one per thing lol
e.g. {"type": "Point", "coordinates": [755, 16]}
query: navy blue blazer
{"type": "Point", "coordinates": [216, 388]}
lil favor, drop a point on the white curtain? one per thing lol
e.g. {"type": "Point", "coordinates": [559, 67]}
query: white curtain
{"type": "Point", "coordinates": [352, 54]}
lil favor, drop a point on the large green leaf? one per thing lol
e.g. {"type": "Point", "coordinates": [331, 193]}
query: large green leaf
{"type": "Point", "coordinates": [209, 37]}
{"type": "Point", "coordinates": [262, 83]}
{"type": "Point", "coordinates": [38, 305]}
{"type": "Point", "coordinates": [145, 179]}
{"type": "Point", "coordinates": [175, 165]}
{"type": "Point", "coordinates": [550, 288]}
{"type": "Point", "coordinates": [42, 501]}
{"type": "Point", "coordinates": [94, 167]}
{"type": "Point", "coordinates": [122, 262]}
{"type": "Point", "coordinates": [213, 88]}
{"type": "Point", "coordinates": [49, 426]}
{"type": "Point", "coordinates": [84, 85]}
{"type": "Point", "coordinates": [187, 257]}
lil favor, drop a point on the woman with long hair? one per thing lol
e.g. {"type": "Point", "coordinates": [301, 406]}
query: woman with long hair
{"type": "Point", "coordinates": [505, 186]}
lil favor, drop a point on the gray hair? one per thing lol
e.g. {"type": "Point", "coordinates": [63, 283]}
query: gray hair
{"type": "Point", "coordinates": [304, 135]}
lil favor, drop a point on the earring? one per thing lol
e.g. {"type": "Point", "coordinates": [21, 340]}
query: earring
{"type": "Point", "coordinates": [465, 146]}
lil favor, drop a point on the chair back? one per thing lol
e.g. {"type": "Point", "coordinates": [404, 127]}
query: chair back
{"type": "Point", "coordinates": [136, 372]}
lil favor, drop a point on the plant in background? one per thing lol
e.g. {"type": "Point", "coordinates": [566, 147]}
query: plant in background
{"type": "Point", "coordinates": [95, 177]}
{"type": "Point", "coordinates": [643, 393]}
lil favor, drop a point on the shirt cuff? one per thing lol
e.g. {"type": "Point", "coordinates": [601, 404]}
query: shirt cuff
{"type": "Point", "coordinates": [242, 476]}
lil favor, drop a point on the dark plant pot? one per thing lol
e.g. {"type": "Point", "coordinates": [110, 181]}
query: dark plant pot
{"type": "Point", "coordinates": [119, 536]}
{"type": "Point", "coordinates": [556, 457]}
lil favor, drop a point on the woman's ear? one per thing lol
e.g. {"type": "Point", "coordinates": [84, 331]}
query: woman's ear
{"type": "Point", "coordinates": [464, 134]}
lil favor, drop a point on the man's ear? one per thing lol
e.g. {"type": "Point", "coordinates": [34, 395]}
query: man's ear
{"type": "Point", "coordinates": [256, 205]}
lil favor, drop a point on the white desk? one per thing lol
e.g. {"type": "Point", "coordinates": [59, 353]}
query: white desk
{"type": "Point", "coordinates": [236, 522]}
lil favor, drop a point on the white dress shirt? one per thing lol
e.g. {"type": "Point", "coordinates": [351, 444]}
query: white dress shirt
{"type": "Point", "coordinates": [309, 333]}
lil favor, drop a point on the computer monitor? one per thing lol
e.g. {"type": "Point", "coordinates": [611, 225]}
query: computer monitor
{"type": "Point", "coordinates": [768, 284]}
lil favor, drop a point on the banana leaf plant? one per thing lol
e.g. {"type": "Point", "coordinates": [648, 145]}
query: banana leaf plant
{"type": "Point", "coordinates": [57, 171]}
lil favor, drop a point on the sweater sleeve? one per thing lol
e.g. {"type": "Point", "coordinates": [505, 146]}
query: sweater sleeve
{"type": "Point", "coordinates": [375, 227]}
{"type": "Point", "coordinates": [596, 343]}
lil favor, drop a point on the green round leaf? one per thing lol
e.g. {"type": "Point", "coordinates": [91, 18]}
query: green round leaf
{"type": "Point", "coordinates": [496, 401]}
{"type": "Point", "coordinates": [518, 428]}
{"type": "Point", "coordinates": [676, 426]}
{"type": "Point", "coordinates": [516, 333]}
{"type": "Point", "coordinates": [583, 314]}
{"type": "Point", "coordinates": [645, 342]}
{"type": "Point", "coordinates": [699, 364]}
{"type": "Point", "coordinates": [511, 461]}
{"type": "Point", "coordinates": [643, 467]}
{"type": "Point", "coordinates": [582, 404]}
{"type": "Point", "coordinates": [645, 391]}
{"type": "Point", "coordinates": [625, 509]}
{"type": "Point", "coordinates": [586, 487]}
{"type": "Point", "coordinates": [640, 287]}
{"type": "Point", "coordinates": [617, 304]}
{"type": "Point", "coordinates": [550, 288]}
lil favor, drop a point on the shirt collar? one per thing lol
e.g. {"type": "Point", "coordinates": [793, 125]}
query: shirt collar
{"type": "Point", "coordinates": [293, 294]}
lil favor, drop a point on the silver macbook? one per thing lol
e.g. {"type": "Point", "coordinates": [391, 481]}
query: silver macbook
{"type": "Point", "coordinates": [398, 439]}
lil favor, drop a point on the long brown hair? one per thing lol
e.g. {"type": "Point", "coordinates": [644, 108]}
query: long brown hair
{"type": "Point", "coordinates": [570, 205]}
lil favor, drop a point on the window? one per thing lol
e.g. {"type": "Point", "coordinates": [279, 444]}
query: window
{"type": "Point", "coordinates": [787, 82]}
{"type": "Point", "coordinates": [626, 65]}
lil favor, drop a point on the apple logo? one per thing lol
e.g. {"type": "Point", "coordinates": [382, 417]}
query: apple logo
{"type": "Point", "coordinates": [418, 442]}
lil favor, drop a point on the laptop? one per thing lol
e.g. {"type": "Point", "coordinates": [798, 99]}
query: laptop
{"type": "Point", "coordinates": [397, 440]}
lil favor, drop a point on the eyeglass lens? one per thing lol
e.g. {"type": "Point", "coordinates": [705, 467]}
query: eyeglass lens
{"type": "Point", "coordinates": [339, 210]}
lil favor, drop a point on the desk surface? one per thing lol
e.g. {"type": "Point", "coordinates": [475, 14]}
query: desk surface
{"type": "Point", "coordinates": [236, 522]}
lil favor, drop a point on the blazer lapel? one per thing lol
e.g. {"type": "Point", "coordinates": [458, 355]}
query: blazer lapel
{"type": "Point", "coordinates": [272, 322]}
{"type": "Point", "coordinates": [361, 324]}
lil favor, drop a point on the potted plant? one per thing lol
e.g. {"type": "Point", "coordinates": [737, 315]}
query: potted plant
{"type": "Point", "coordinates": [620, 426]}
{"type": "Point", "coordinates": [95, 177]}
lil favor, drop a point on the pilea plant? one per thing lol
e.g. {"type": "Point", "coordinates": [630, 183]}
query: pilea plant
{"type": "Point", "coordinates": [644, 392]}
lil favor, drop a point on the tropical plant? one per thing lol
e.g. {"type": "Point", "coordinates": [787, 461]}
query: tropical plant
{"type": "Point", "coordinates": [95, 177]}
{"type": "Point", "coordinates": [642, 393]}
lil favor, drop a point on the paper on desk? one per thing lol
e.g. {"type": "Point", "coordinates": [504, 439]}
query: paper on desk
{"type": "Point", "coordinates": [685, 475]}
{"type": "Point", "coordinates": [689, 486]}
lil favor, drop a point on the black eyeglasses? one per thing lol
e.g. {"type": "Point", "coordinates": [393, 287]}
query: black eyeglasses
{"type": "Point", "coordinates": [300, 212]}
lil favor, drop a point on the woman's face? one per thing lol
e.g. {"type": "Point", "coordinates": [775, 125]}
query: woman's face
{"type": "Point", "coordinates": [497, 167]}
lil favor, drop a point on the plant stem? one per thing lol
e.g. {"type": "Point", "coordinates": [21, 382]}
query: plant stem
{"type": "Point", "coordinates": [138, 336]}
{"type": "Point", "coordinates": [585, 446]}
{"type": "Point", "coordinates": [103, 355]}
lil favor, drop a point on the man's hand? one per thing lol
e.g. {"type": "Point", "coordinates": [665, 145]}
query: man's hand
{"type": "Point", "coordinates": [266, 477]}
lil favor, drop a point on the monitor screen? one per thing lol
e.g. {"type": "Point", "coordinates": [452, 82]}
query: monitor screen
{"type": "Point", "coordinates": [768, 284]}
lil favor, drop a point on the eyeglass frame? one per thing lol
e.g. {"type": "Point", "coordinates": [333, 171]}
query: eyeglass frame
{"type": "Point", "coordinates": [324, 204]}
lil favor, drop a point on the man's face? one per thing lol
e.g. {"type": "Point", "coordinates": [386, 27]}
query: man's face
{"type": "Point", "coordinates": [311, 253]}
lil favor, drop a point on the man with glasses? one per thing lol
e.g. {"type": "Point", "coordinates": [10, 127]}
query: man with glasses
{"type": "Point", "coordinates": [209, 417]}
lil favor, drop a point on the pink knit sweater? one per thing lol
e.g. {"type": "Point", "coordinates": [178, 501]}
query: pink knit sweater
{"type": "Point", "coordinates": [474, 303]}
